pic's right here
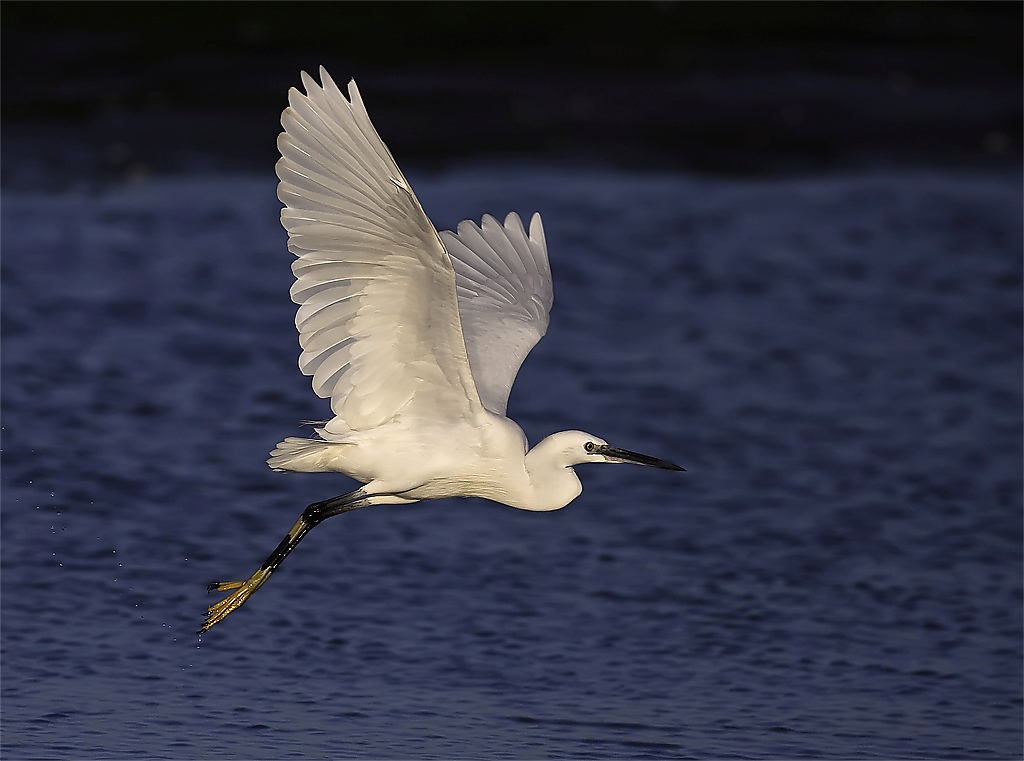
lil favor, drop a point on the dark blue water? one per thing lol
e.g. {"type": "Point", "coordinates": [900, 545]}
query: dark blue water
{"type": "Point", "coordinates": [836, 361]}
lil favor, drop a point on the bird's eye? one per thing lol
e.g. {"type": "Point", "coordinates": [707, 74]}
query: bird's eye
{"type": "Point", "coordinates": [589, 446]}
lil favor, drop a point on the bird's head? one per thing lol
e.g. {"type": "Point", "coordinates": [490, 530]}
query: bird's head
{"type": "Point", "coordinates": [579, 447]}
{"type": "Point", "coordinates": [550, 466]}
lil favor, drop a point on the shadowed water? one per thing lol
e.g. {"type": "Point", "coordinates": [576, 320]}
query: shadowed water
{"type": "Point", "coordinates": [835, 360]}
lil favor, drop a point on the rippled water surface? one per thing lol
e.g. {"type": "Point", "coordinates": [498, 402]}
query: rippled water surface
{"type": "Point", "coordinates": [836, 361]}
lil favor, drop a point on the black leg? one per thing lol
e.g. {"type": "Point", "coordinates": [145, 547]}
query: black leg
{"type": "Point", "coordinates": [310, 518]}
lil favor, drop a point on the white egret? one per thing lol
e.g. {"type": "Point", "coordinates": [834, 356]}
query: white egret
{"type": "Point", "coordinates": [415, 336]}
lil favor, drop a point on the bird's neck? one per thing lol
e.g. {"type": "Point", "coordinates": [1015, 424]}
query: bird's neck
{"type": "Point", "coordinates": [553, 482]}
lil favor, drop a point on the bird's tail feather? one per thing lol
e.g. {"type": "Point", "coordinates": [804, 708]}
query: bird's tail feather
{"type": "Point", "coordinates": [300, 455]}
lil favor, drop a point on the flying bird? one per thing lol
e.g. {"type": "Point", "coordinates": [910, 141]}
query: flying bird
{"type": "Point", "coordinates": [415, 336]}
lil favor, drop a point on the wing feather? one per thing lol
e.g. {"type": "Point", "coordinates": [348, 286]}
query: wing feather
{"type": "Point", "coordinates": [378, 314]}
{"type": "Point", "coordinates": [503, 283]}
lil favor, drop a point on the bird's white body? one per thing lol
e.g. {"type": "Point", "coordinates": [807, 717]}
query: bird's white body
{"type": "Point", "coordinates": [411, 460]}
{"type": "Point", "coordinates": [415, 336]}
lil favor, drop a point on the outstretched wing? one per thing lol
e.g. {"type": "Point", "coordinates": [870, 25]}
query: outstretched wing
{"type": "Point", "coordinates": [378, 314]}
{"type": "Point", "coordinates": [503, 282]}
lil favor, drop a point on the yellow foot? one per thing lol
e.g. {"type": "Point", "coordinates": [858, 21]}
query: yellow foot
{"type": "Point", "coordinates": [242, 590]}
{"type": "Point", "coordinates": [224, 586]}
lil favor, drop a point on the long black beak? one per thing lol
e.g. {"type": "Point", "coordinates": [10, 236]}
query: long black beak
{"type": "Point", "coordinates": [640, 459]}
